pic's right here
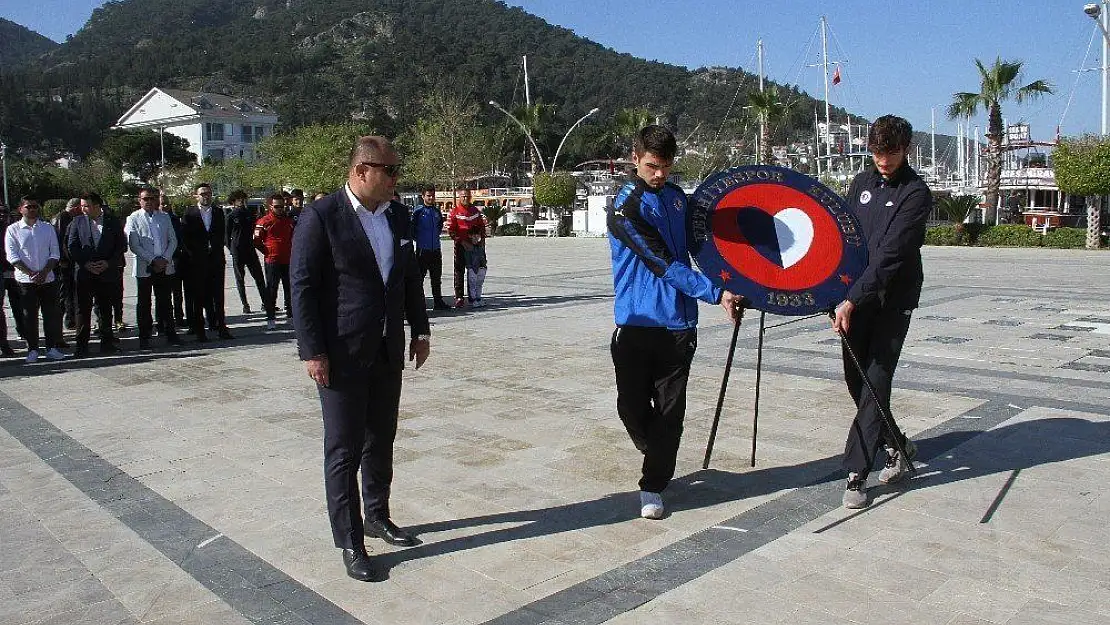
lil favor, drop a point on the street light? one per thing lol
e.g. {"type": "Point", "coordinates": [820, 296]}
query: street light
{"type": "Point", "coordinates": [1095, 12]}
{"type": "Point", "coordinates": [528, 134]}
{"type": "Point", "coordinates": [573, 126]}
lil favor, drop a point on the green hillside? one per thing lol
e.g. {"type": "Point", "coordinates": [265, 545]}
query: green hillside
{"type": "Point", "coordinates": [337, 60]}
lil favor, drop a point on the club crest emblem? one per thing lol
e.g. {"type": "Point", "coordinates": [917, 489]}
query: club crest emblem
{"type": "Point", "coordinates": [781, 239]}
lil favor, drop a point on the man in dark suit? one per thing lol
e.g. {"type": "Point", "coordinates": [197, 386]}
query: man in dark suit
{"type": "Point", "coordinates": [355, 282]}
{"type": "Point", "coordinates": [96, 244]}
{"type": "Point", "coordinates": [202, 229]}
{"type": "Point", "coordinates": [893, 205]}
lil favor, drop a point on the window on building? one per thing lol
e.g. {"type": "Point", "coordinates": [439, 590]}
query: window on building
{"type": "Point", "coordinates": [213, 132]}
{"type": "Point", "coordinates": [248, 134]}
{"type": "Point", "coordinates": [259, 132]}
{"type": "Point", "coordinates": [216, 156]}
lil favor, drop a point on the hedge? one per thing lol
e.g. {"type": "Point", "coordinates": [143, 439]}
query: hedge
{"type": "Point", "coordinates": [1006, 235]}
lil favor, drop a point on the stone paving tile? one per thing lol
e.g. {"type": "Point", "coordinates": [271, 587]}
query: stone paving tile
{"type": "Point", "coordinates": [522, 481]}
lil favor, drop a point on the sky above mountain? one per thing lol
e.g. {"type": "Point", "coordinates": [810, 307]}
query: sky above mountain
{"type": "Point", "coordinates": [896, 57]}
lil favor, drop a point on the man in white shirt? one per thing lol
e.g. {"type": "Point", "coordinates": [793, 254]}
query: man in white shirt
{"type": "Point", "coordinates": [31, 246]}
{"type": "Point", "coordinates": [151, 237]}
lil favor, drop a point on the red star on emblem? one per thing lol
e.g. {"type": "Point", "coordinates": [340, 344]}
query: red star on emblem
{"type": "Point", "coordinates": [725, 276]}
{"type": "Point", "coordinates": [845, 278]}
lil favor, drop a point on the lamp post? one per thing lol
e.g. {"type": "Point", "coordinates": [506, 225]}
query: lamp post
{"type": "Point", "coordinates": [573, 126]}
{"type": "Point", "coordinates": [528, 134]}
{"type": "Point", "coordinates": [1095, 11]}
{"type": "Point", "coordinates": [4, 164]}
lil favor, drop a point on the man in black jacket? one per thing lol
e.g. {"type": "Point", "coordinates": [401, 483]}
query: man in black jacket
{"type": "Point", "coordinates": [96, 244]}
{"type": "Point", "coordinates": [240, 241]}
{"type": "Point", "coordinates": [355, 282]}
{"type": "Point", "coordinates": [202, 229]}
{"type": "Point", "coordinates": [893, 204]}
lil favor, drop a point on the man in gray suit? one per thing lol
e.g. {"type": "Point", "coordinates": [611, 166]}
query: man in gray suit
{"type": "Point", "coordinates": [151, 238]}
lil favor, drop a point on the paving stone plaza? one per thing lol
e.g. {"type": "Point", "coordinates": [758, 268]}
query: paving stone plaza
{"type": "Point", "coordinates": [185, 485]}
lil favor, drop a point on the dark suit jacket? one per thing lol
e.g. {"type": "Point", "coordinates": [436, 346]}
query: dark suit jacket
{"type": "Point", "coordinates": [111, 247]}
{"type": "Point", "coordinates": [240, 231]}
{"type": "Point", "coordinates": [893, 219]}
{"type": "Point", "coordinates": [340, 302]}
{"type": "Point", "coordinates": [203, 248]}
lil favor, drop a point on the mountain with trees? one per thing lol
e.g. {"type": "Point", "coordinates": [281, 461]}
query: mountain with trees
{"type": "Point", "coordinates": [19, 44]}
{"type": "Point", "coordinates": [373, 62]}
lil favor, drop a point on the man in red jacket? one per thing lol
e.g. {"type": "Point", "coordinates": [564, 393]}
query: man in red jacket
{"type": "Point", "coordinates": [464, 222]}
{"type": "Point", "coordinates": [273, 236]}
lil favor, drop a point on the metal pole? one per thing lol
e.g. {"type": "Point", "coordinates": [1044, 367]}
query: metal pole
{"type": "Point", "coordinates": [884, 412]}
{"type": "Point", "coordinates": [527, 91]}
{"type": "Point", "coordinates": [762, 117]}
{"type": "Point", "coordinates": [1105, 24]}
{"type": "Point", "coordinates": [527, 134]}
{"type": "Point", "coordinates": [4, 161]}
{"type": "Point", "coordinates": [575, 125]}
{"type": "Point", "coordinates": [933, 144]}
{"type": "Point", "coordinates": [825, 73]}
{"type": "Point", "coordinates": [758, 380]}
{"type": "Point", "coordinates": [721, 397]}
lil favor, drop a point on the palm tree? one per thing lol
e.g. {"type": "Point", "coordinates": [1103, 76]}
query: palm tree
{"type": "Point", "coordinates": [997, 85]}
{"type": "Point", "coordinates": [770, 109]}
{"type": "Point", "coordinates": [626, 123]}
{"type": "Point", "coordinates": [538, 119]}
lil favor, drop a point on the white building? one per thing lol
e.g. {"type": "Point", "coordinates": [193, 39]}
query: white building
{"type": "Point", "coordinates": [217, 127]}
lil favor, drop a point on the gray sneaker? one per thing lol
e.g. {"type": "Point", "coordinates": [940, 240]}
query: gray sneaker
{"type": "Point", "coordinates": [897, 466]}
{"type": "Point", "coordinates": [855, 495]}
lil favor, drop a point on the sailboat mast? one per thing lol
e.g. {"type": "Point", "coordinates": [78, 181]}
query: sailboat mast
{"type": "Point", "coordinates": [933, 145]}
{"type": "Point", "coordinates": [527, 91]}
{"type": "Point", "coordinates": [817, 136]}
{"type": "Point", "coordinates": [825, 73]}
{"type": "Point", "coordinates": [762, 119]}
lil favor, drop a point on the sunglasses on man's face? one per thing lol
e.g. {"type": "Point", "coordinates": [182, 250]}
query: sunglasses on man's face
{"type": "Point", "coordinates": [390, 170]}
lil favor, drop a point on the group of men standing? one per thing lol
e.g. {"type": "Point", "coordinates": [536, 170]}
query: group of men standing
{"type": "Point", "coordinates": [73, 267]}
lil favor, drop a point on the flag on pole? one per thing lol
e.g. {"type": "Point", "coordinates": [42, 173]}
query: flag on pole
{"type": "Point", "coordinates": [836, 76]}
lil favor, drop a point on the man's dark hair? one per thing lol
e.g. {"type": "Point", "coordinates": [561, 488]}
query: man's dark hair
{"type": "Point", "coordinates": [236, 195]}
{"type": "Point", "coordinates": [151, 190]}
{"type": "Point", "coordinates": [888, 134]}
{"type": "Point", "coordinates": [203, 185]}
{"type": "Point", "coordinates": [657, 140]}
{"type": "Point", "coordinates": [297, 193]}
{"type": "Point", "coordinates": [92, 197]}
{"type": "Point", "coordinates": [27, 199]}
{"type": "Point", "coordinates": [287, 195]}
{"type": "Point", "coordinates": [275, 196]}
{"type": "Point", "coordinates": [428, 187]}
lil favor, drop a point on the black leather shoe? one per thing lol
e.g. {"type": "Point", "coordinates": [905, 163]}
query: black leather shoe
{"type": "Point", "coordinates": [173, 339]}
{"type": "Point", "coordinates": [202, 338]}
{"type": "Point", "coordinates": [144, 343]}
{"type": "Point", "coordinates": [225, 335]}
{"type": "Point", "coordinates": [6, 350]}
{"type": "Point", "coordinates": [390, 533]}
{"type": "Point", "coordinates": [360, 567]}
{"type": "Point", "coordinates": [108, 348]}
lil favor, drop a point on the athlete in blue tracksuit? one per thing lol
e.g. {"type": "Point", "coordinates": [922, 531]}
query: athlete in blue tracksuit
{"type": "Point", "coordinates": [655, 310]}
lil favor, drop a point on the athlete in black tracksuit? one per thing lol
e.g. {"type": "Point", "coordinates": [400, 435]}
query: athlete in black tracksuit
{"type": "Point", "coordinates": [893, 205]}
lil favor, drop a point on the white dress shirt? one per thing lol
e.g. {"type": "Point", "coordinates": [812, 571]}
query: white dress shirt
{"type": "Point", "coordinates": [376, 226]}
{"type": "Point", "coordinates": [33, 245]}
{"type": "Point", "coordinates": [206, 217]}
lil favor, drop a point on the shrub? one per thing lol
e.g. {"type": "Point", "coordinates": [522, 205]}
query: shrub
{"type": "Point", "coordinates": [50, 208]}
{"type": "Point", "coordinates": [511, 230]}
{"type": "Point", "coordinates": [1066, 238]}
{"type": "Point", "coordinates": [556, 189]}
{"type": "Point", "coordinates": [1008, 235]}
{"type": "Point", "coordinates": [941, 235]}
